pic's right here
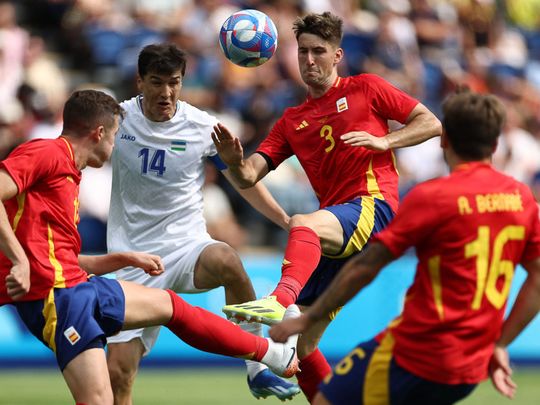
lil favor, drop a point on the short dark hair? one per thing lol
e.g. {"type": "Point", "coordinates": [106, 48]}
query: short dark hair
{"type": "Point", "coordinates": [162, 59]}
{"type": "Point", "coordinates": [326, 26]}
{"type": "Point", "coordinates": [473, 122]}
{"type": "Point", "coordinates": [87, 109]}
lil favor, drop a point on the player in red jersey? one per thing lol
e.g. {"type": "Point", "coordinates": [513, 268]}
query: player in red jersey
{"type": "Point", "coordinates": [470, 230]}
{"type": "Point", "coordinates": [68, 309]}
{"type": "Point", "coordinates": [341, 137]}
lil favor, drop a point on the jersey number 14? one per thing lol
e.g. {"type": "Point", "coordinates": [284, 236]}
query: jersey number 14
{"type": "Point", "coordinates": [155, 164]}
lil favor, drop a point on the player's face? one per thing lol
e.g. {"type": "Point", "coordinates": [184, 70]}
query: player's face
{"type": "Point", "coordinates": [104, 147]}
{"type": "Point", "coordinates": [317, 60]}
{"type": "Point", "coordinates": [160, 94]}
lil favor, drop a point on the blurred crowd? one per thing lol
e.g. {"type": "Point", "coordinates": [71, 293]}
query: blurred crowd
{"type": "Point", "coordinates": [48, 48]}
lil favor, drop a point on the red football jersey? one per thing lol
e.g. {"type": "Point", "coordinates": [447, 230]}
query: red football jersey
{"type": "Point", "coordinates": [45, 215]}
{"type": "Point", "coordinates": [470, 230]}
{"type": "Point", "coordinates": [339, 172]}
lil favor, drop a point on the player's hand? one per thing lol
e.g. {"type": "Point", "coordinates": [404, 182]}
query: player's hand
{"type": "Point", "coordinates": [151, 264]}
{"type": "Point", "coordinates": [18, 281]}
{"type": "Point", "coordinates": [228, 146]}
{"type": "Point", "coordinates": [365, 139]}
{"type": "Point", "coordinates": [281, 331]}
{"type": "Point", "coordinates": [501, 373]}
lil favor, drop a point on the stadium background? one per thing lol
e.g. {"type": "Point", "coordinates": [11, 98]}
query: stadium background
{"type": "Point", "coordinates": [425, 47]}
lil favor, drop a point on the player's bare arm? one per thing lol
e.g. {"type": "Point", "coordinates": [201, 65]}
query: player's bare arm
{"type": "Point", "coordinates": [355, 275]}
{"type": "Point", "coordinates": [245, 172]}
{"type": "Point", "coordinates": [103, 264]}
{"type": "Point", "coordinates": [421, 125]}
{"type": "Point", "coordinates": [262, 200]}
{"type": "Point", "coordinates": [18, 280]}
{"type": "Point", "coordinates": [524, 310]}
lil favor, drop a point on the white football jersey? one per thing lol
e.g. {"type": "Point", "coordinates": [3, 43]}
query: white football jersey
{"type": "Point", "coordinates": [158, 173]}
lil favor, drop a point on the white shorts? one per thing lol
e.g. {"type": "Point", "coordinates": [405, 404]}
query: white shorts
{"type": "Point", "coordinates": [178, 276]}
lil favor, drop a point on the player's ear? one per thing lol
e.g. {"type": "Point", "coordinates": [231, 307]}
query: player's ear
{"type": "Point", "coordinates": [338, 55]}
{"type": "Point", "coordinates": [139, 83]}
{"type": "Point", "coordinates": [97, 133]}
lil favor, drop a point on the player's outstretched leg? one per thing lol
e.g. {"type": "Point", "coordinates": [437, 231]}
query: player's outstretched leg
{"type": "Point", "coordinates": [219, 265]}
{"type": "Point", "coordinates": [208, 332]}
{"type": "Point", "coordinates": [302, 255]}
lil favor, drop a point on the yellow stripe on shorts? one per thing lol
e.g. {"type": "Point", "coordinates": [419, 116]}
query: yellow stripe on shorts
{"type": "Point", "coordinates": [51, 320]}
{"type": "Point", "coordinates": [364, 228]}
{"type": "Point", "coordinates": [376, 382]}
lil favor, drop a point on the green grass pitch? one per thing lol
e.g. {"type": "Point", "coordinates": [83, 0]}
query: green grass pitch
{"type": "Point", "coordinates": [208, 386]}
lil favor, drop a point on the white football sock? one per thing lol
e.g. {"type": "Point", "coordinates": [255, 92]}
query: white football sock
{"type": "Point", "coordinates": [253, 367]}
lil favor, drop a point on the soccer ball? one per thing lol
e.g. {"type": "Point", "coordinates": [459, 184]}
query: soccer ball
{"type": "Point", "coordinates": [248, 38]}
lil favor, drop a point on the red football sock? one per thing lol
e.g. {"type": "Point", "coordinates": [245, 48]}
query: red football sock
{"type": "Point", "coordinates": [314, 368]}
{"type": "Point", "coordinates": [211, 333]}
{"type": "Point", "coordinates": [302, 256]}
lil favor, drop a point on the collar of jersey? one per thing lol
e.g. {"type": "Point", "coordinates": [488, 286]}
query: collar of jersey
{"type": "Point", "coordinates": [335, 85]}
{"type": "Point", "coordinates": [69, 147]}
{"type": "Point", "coordinates": [470, 165]}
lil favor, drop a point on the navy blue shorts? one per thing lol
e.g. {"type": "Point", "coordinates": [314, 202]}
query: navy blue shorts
{"type": "Point", "coordinates": [370, 375]}
{"type": "Point", "coordinates": [72, 320]}
{"type": "Point", "coordinates": [360, 219]}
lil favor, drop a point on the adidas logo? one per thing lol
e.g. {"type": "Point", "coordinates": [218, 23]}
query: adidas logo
{"type": "Point", "coordinates": [256, 308]}
{"type": "Point", "coordinates": [302, 125]}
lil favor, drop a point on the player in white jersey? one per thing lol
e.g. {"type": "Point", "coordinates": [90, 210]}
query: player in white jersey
{"type": "Point", "coordinates": [157, 206]}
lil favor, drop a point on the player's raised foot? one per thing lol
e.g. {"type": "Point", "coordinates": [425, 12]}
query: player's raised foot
{"type": "Point", "coordinates": [281, 358]}
{"type": "Point", "coordinates": [266, 310]}
{"type": "Point", "coordinates": [266, 384]}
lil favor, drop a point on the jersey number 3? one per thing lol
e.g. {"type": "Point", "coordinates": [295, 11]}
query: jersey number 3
{"type": "Point", "coordinates": [155, 164]}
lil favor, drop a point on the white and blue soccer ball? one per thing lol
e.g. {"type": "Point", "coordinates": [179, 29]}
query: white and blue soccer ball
{"type": "Point", "coordinates": [248, 38]}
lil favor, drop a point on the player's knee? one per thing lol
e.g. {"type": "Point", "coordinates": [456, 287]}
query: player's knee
{"type": "Point", "coordinates": [231, 269]}
{"type": "Point", "coordinates": [300, 220]}
{"type": "Point", "coordinates": [122, 375]}
{"type": "Point", "coordinates": [96, 395]}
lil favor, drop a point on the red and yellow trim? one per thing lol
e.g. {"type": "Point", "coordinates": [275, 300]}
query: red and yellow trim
{"type": "Point", "coordinates": [21, 198]}
{"type": "Point", "coordinates": [70, 148]}
{"type": "Point", "coordinates": [59, 280]}
{"type": "Point", "coordinates": [372, 184]}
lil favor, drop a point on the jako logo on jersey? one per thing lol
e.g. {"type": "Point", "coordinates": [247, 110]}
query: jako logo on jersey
{"type": "Point", "coordinates": [179, 145]}
{"type": "Point", "coordinates": [72, 335]}
{"type": "Point", "coordinates": [341, 104]}
{"type": "Point", "coordinates": [303, 124]}
{"type": "Point", "coordinates": [127, 137]}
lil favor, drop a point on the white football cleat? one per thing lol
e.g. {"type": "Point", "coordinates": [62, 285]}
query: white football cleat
{"type": "Point", "coordinates": [282, 358]}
